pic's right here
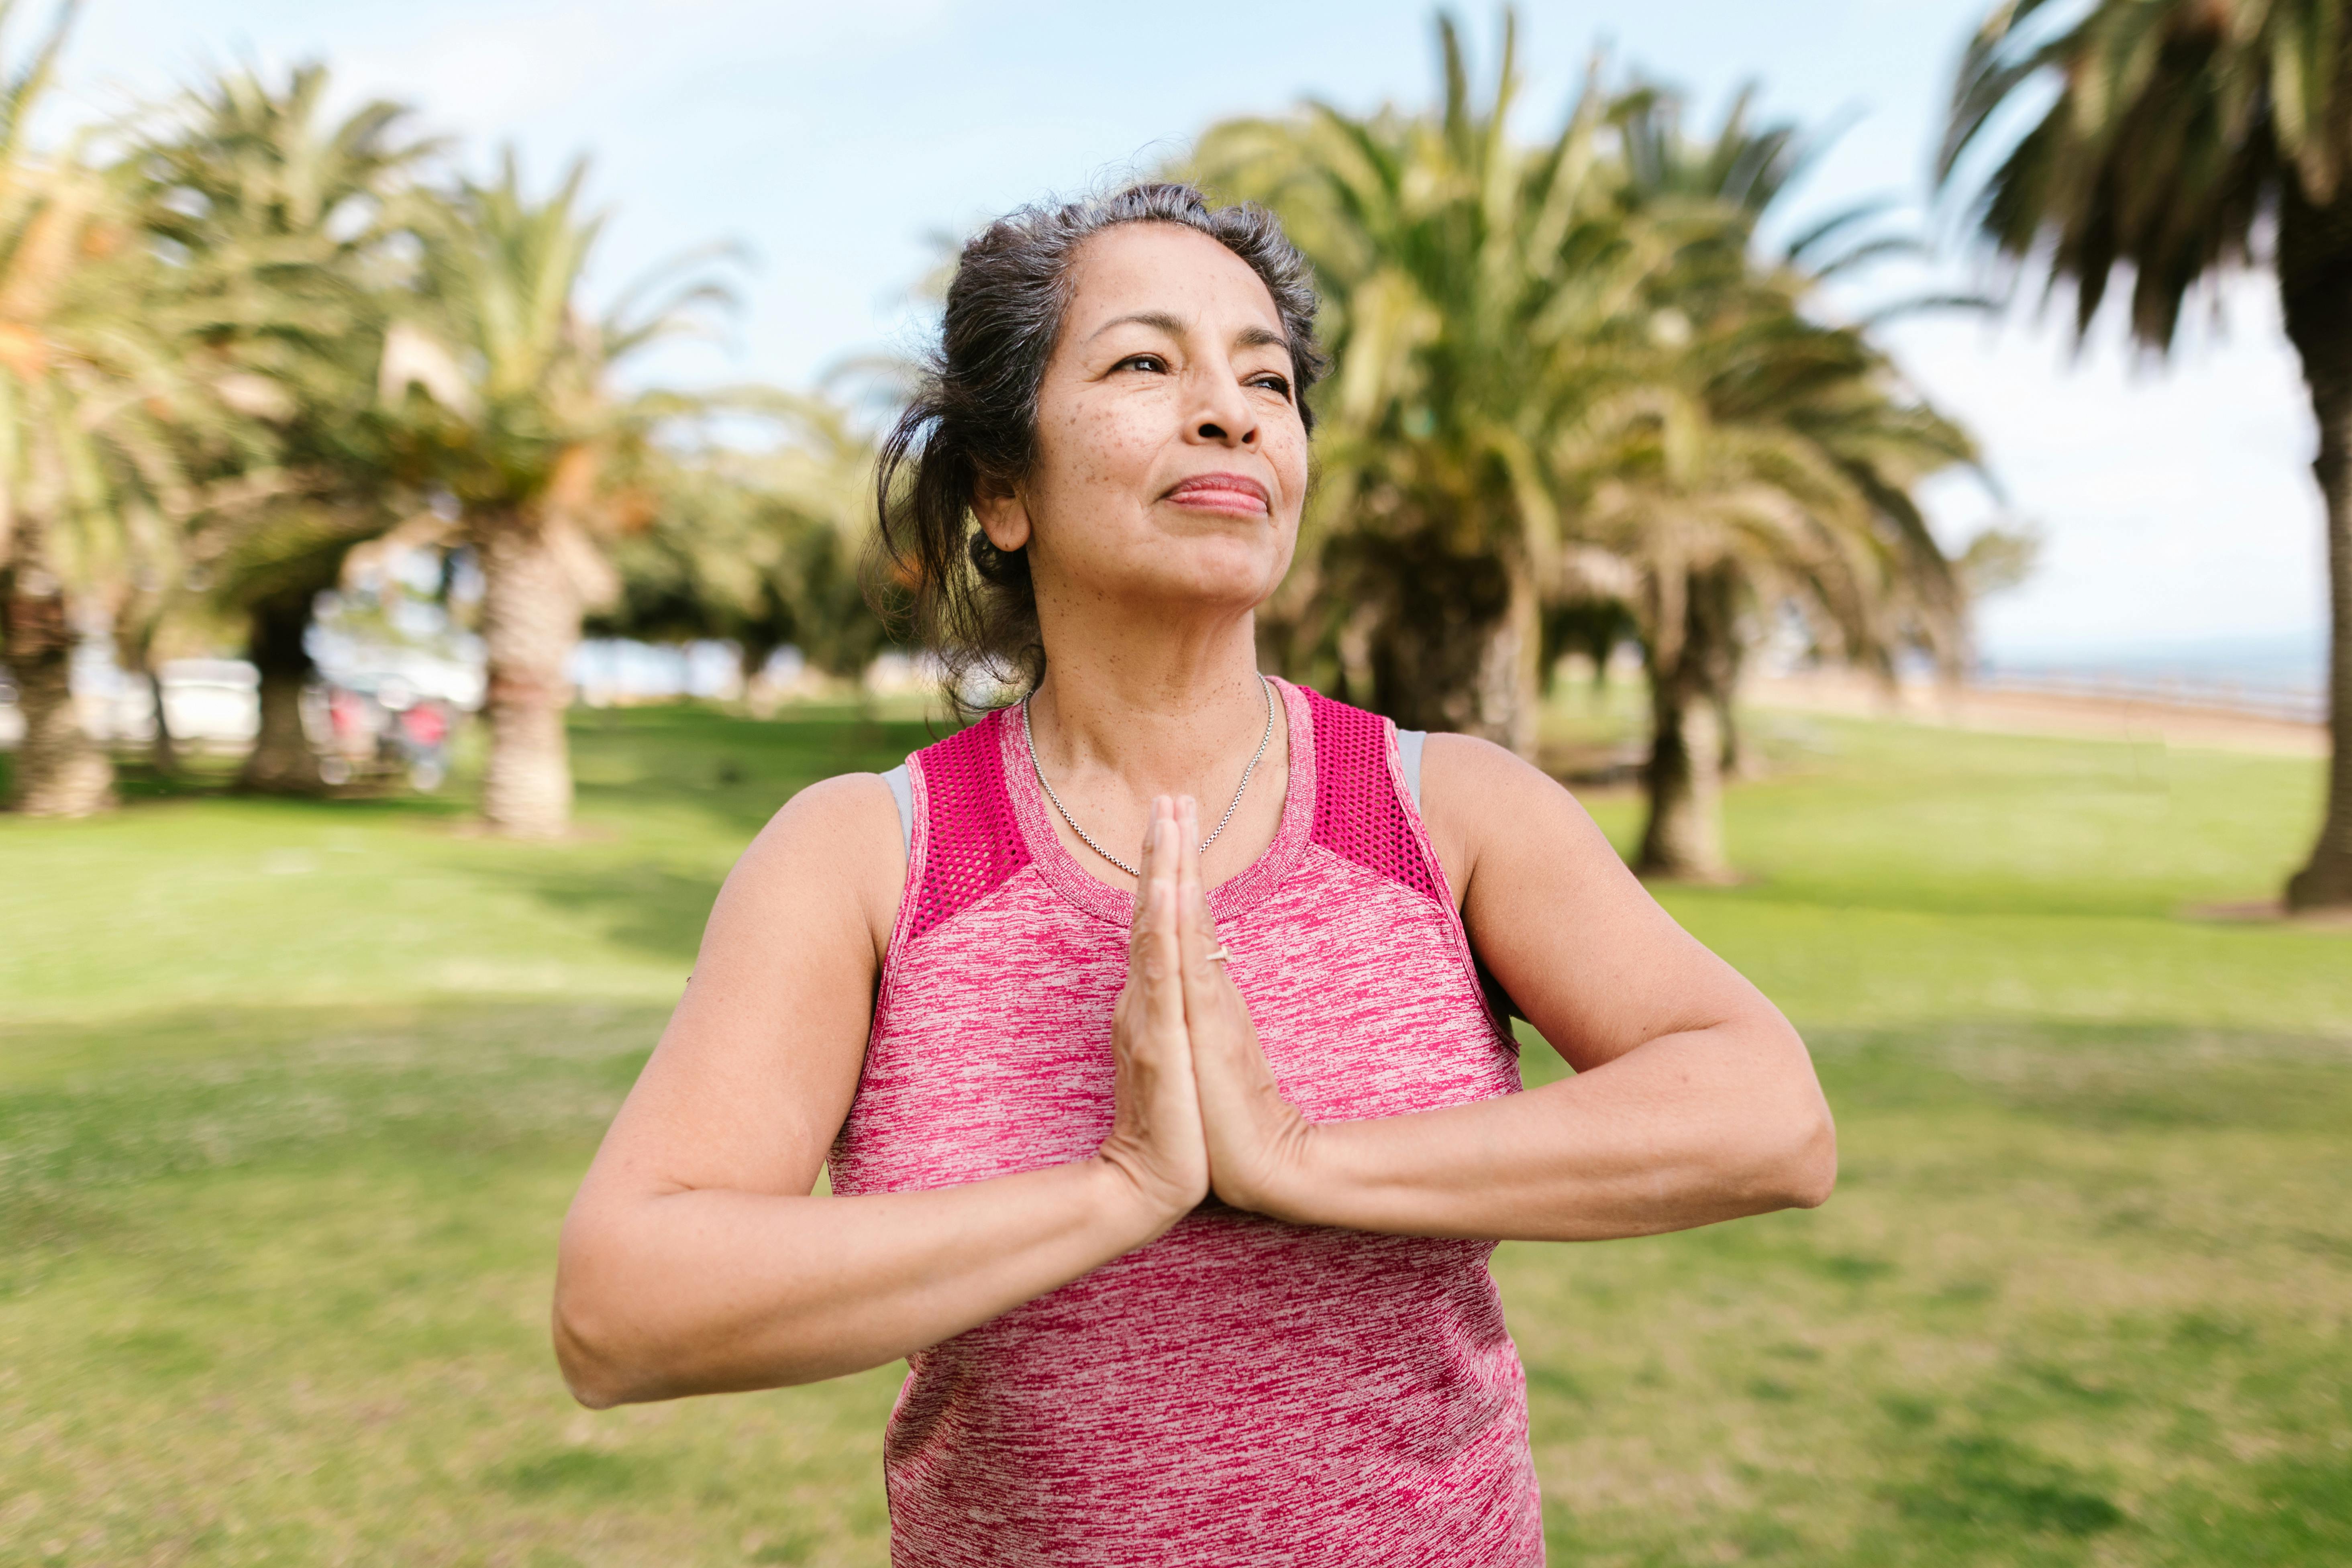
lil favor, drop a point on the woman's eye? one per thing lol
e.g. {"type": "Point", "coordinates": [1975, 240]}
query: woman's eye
{"type": "Point", "coordinates": [1278, 385]}
{"type": "Point", "coordinates": [1141, 361]}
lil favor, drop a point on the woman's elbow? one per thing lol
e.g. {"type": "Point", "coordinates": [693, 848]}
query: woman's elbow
{"type": "Point", "coordinates": [591, 1371]}
{"type": "Point", "coordinates": [586, 1353]}
{"type": "Point", "coordinates": [601, 1362]}
{"type": "Point", "coordinates": [1809, 1171]}
{"type": "Point", "coordinates": [1794, 1161]}
{"type": "Point", "coordinates": [1799, 1170]}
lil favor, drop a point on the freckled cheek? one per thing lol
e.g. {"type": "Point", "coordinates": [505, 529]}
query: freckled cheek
{"type": "Point", "coordinates": [1290, 461]}
{"type": "Point", "coordinates": [1103, 451]}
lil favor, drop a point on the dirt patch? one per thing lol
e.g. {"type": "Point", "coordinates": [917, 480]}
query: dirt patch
{"type": "Point", "coordinates": [2270, 911]}
{"type": "Point", "coordinates": [2041, 714]}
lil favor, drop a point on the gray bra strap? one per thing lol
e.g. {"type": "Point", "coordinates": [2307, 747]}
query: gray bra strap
{"type": "Point", "coordinates": [1408, 752]}
{"type": "Point", "coordinates": [902, 790]}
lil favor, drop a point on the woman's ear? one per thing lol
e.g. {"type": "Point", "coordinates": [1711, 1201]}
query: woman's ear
{"type": "Point", "coordinates": [1001, 514]}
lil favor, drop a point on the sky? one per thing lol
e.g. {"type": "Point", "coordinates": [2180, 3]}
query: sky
{"type": "Point", "coordinates": [840, 144]}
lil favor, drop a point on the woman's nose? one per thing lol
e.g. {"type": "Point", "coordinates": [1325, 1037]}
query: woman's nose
{"type": "Point", "coordinates": [1226, 417]}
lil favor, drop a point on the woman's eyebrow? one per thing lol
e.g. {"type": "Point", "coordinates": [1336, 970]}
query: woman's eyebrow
{"type": "Point", "coordinates": [1175, 326]}
{"type": "Point", "coordinates": [1259, 337]}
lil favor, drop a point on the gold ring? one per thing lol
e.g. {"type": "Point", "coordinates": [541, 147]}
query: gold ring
{"type": "Point", "coordinates": [1220, 956]}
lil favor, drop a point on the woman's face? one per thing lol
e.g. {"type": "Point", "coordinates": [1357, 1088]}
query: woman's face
{"type": "Point", "coordinates": [1171, 460]}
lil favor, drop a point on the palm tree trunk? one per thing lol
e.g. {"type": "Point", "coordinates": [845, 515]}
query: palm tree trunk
{"type": "Point", "coordinates": [2314, 264]}
{"type": "Point", "coordinates": [1734, 760]}
{"type": "Point", "coordinates": [282, 761]}
{"type": "Point", "coordinates": [1690, 695]}
{"type": "Point", "coordinates": [1717, 654]}
{"type": "Point", "coordinates": [751, 655]}
{"type": "Point", "coordinates": [1511, 668]}
{"type": "Point", "coordinates": [1457, 643]}
{"type": "Point", "coordinates": [2325, 879]}
{"type": "Point", "coordinates": [59, 770]}
{"type": "Point", "coordinates": [135, 618]}
{"type": "Point", "coordinates": [1684, 840]}
{"type": "Point", "coordinates": [162, 747]}
{"type": "Point", "coordinates": [531, 623]}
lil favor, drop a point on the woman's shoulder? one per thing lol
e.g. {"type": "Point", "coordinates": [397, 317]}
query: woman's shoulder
{"type": "Point", "coordinates": [1476, 795]}
{"type": "Point", "coordinates": [838, 843]}
{"type": "Point", "coordinates": [1466, 781]}
{"type": "Point", "coordinates": [1469, 758]}
{"type": "Point", "coordinates": [841, 804]}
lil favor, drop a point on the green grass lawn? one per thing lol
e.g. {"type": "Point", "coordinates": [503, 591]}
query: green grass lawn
{"type": "Point", "coordinates": [292, 1097]}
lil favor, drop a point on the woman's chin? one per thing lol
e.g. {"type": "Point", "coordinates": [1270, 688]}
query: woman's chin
{"type": "Point", "coordinates": [1207, 586]}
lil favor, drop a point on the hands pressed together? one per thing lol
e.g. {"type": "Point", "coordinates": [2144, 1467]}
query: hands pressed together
{"type": "Point", "coordinates": [1197, 1109]}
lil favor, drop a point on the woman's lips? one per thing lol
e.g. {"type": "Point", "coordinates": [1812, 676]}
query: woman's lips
{"type": "Point", "coordinates": [1237, 495]}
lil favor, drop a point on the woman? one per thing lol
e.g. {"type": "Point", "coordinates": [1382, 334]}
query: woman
{"type": "Point", "coordinates": [1175, 1179]}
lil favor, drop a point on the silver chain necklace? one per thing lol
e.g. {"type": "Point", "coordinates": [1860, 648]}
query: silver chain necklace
{"type": "Point", "coordinates": [1031, 737]}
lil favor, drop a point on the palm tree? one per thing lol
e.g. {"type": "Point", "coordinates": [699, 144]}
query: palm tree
{"type": "Point", "coordinates": [286, 274]}
{"type": "Point", "coordinates": [507, 386]}
{"type": "Point", "coordinates": [761, 546]}
{"type": "Point", "coordinates": [701, 567]}
{"type": "Point", "coordinates": [1765, 470]}
{"type": "Point", "coordinates": [1567, 376]}
{"type": "Point", "coordinates": [1475, 292]}
{"type": "Point", "coordinates": [819, 479]}
{"type": "Point", "coordinates": [95, 421]}
{"type": "Point", "coordinates": [1762, 464]}
{"type": "Point", "coordinates": [2181, 139]}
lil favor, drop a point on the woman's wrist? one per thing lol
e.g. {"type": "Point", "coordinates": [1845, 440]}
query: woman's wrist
{"type": "Point", "coordinates": [1284, 1180]}
{"type": "Point", "coordinates": [1134, 1209]}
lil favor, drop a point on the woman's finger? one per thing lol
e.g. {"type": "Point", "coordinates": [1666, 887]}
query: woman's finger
{"type": "Point", "coordinates": [1196, 927]}
{"type": "Point", "coordinates": [1188, 868]}
{"type": "Point", "coordinates": [1156, 1134]}
{"type": "Point", "coordinates": [1147, 859]}
{"type": "Point", "coordinates": [1163, 994]}
{"type": "Point", "coordinates": [1149, 969]}
{"type": "Point", "coordinates": [1164, 955]}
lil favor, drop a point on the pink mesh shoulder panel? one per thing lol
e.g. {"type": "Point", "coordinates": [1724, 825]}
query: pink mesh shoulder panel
{"type": "Point", "coordinates": [1359, 812]}
{"type": "Point", "coordinates": [973, 841]}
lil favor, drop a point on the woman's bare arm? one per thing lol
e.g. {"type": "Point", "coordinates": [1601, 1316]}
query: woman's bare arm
{"type": "Point", "coordinates": [1693, 1101]}
{"type": "Point", "coordinates": [695, 1258]}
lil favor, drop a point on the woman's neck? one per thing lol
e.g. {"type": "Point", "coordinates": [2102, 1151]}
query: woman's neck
{"type": "Point", "coordinates": [1165, 713]}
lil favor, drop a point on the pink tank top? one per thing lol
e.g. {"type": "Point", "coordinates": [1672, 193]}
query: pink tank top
{"type": "Point", "coordinates": [1241, 1391]}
